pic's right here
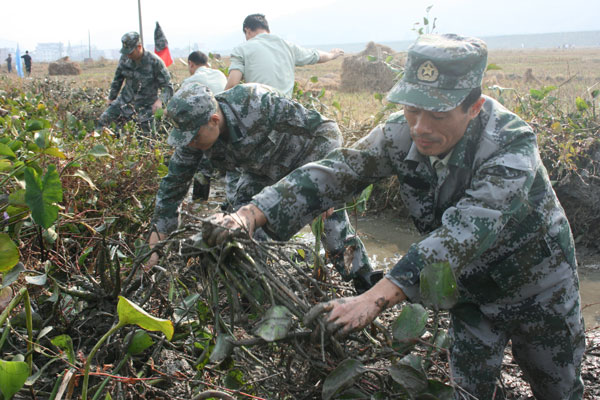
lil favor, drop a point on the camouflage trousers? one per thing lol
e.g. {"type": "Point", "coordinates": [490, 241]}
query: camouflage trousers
{"type": "Point", "coordinates": [547, 337]}
{"type": "Point", "coordinates": [339, 238]}
{"type": "Point", "coordinates": [120, 112]}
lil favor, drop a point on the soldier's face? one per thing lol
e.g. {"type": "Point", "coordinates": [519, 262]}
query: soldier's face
{"type": "Point", "coordinates": [436, 133]}
{"type": "Point", "coordinates": [136, 54]}
{"type": "Point", "coordinates": [207, 135]}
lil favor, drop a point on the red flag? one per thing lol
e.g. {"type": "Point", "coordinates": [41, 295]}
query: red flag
{"type": "Point", "coordinates": [161, 46]}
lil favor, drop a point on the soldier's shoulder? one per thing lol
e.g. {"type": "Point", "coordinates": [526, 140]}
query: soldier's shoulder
{"type": "Point", "coordinates": [502, 125]}
{"type": "Point", "coordinates": [396, 118]}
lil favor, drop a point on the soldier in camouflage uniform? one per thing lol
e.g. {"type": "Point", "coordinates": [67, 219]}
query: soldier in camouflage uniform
{"type": "Point", "coordinates": [144, 74]}
{"type": "Point", "coordinates": [472, 179]}
{"type": "Point", "coordinates": [266, 136]}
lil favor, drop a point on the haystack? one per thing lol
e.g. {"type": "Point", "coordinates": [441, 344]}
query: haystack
{"type": "Point", "coordinates": [64, 66]}
{"type": "Point", "coordinates": [360, 74]}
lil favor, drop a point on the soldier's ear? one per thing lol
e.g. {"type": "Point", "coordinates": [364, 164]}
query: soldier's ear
{"type": "Point", "coordinates": [476, 107]}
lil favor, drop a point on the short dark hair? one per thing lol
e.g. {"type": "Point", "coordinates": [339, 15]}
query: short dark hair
{"type": "Point", "coordinates": [254, 22]}
{"type": "Point", "coordinates": [471, 99]}
{"type": "Point", "coordinates": [198, 58]}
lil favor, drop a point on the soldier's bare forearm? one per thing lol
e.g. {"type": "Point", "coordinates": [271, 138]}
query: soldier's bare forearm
{"type": "Point", "coordinates": [252, 217]}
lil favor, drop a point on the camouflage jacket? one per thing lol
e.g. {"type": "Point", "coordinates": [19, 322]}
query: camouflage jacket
{"type": "Point", "coordinates": [142, 81]}
{"type": "Point", "coordinates": [492, 214]}
{"type": "Point", "coordinates": [268, 135]}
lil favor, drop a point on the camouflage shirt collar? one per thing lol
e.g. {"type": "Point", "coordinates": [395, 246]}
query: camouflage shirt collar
{"type": "Point", "coordinates": [234, 133]}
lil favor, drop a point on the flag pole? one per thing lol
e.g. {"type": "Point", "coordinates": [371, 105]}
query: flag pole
{"type": "Point", "coordinates": [140, 15]}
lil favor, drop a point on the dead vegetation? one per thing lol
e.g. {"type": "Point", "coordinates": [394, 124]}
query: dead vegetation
{"type": "Point", "coordinates": [359, 73]}
{"type": "Point", "coordinates": [64, 66]}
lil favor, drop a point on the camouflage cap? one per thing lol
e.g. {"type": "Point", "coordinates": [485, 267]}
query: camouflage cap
{"type": "Point", "coordinates": [129, 41]}
{"type": "Point", "coordinates": [440, 72]}
{"type": "Point", "coordinates": [189, 109]}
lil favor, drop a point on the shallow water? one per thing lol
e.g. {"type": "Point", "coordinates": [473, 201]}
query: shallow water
{"type": "Point", "coordinates": [388, 237]}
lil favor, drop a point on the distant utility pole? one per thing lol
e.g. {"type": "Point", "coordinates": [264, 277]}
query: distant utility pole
{"type": "Point", "coordinates": [89, 45]}
{"type": "Point", "coordinates": [140, 14]}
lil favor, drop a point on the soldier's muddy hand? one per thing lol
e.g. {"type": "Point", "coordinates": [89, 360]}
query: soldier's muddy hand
{"type": "Point", "coordinates": [222, 227]}
{"type": "Point", "coordinates": [346, 315]}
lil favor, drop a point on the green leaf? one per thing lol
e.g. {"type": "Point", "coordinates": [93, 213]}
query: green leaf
{"type": "Point", "coordinates": [5, 165]}
{"type": "Point", "coordinates": [131, 313]}
{"type": "Point", "coordinates": [371, 58]}
{"type": "Point", "coordinates": [413, 380]}
{"type": "Point", "coordinates": [139, 342]}
{"type": "Point", "coordinates": [12, 275]}
{"type": "Point", "coordinates": [99, 151]}
{"type": "Point", "coordinates": [439, 390]}
{"type": "Point", "coordinates": [409, 326]}
{"type": "Point", "coordinates": [40, 195]}
{"type": "Point", "coordinates": [595, 93]}
{"type": "Point", "coordinates": [493, 67]}
{"type": "Point", "coordinates": [438, 286]}
{"type": "Point", "coordinates": [33, 125]}
{"type": "Point", "coordinates": [537, 94]}
{"type": "Point", "coordinates": [378, 96]}
{"type": "Point", "coordinates": [6, 151]}
{"type": "Point", "coordinates": [42, 138]}
{"type": "Point", "coordinates": [314, 79]}
{"type": "Point", "coordinates": [13, 375]}
{"type": "Point", "coordinates": [342, 377]}
{"type": "Point", "coordinates": [275, 324]}
{"type": "Point", "coordinates": [17, 198]}
{"type": "Point", "coordinates": [361, 203]}
{"type": "Point", "coordinates": [65, 343]}
{"type": "Point", "coordinates": [336, 105]}
{"type": "Point", "coordinates": [9, 253]}
{"type": "Point", "coordinates": [55, 152]}
{"type": "Point", "coordinates": [581, 104]}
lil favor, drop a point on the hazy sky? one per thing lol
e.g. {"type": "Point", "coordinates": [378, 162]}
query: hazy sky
{"type": "Point", "coordinates": [217, 25]}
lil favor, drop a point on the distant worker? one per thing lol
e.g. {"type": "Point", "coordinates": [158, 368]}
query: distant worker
{"type": "Point", "coordinates": [143, 73]}
{"type": "Point", "coordinates": [268, 59]}
{"type": "Point", "coordinates": [215, 80]}
{"type": "Point", "coordinates": [202, 73]}
{"type": "Point", "coordinates": [9, 63]}
{"type": "Point", "coordinates": [27, 58]}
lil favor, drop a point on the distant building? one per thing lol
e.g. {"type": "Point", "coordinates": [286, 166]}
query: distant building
{"type": "Point", "coordinates": [49, 51]}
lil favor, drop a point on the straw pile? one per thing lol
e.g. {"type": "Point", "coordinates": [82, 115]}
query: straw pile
{"type": "Point", "coordinates": [64, 66]}
{"type": "Point", "coordinates": [360, 74]}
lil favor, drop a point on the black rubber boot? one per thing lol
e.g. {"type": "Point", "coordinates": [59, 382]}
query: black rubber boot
{"type": "Point", "coordinates": [201, 190]}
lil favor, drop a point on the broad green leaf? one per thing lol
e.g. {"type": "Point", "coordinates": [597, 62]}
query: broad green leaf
{"type": "Point", "coordinates": [414, 381]}
{"type": "Point", "coordinates": [361, 203]}
{"type": "Point", "coordinates": [13, 375]}
{"type": "Point", "coordinates": [131, 313]}
{"type": "Point", "coordinates": [12, 275]}
{"type": "Point", "coordinates": [83, 175]}
{"type": "Point", "coordinates": [9, 253]}
{"type": "Point", "coordinates": [6, 151]}
{"type": "Point", "coordinates": [33, 125]}
{"type": "Point", "coordinates": [55, 152]}
{"type": "Point", "coordinates": [537, 94]}
{"type": "Point", "coordinates": [65, 343]}
{"type": "Point", "coordinates": [17, 198]}
{"type": "Point", "coordinates": [595, 93]}
{"type": "Point", "coordinates": [40, 195]}
{"type": "Point", "coordinates": [342, 377]}
{"type": "Point", "coordinates": [314, 79]}
{"type": "Point", "coordinates": [99, 151]}
{"type": "Point", "coordinates": [275, 324]}
{"type": "Point", "coordinates": [371, 58]}
{"type": "Point", "coordinates": [409, 326]}
{"type": "Point", "coordinates": [139, 342]}
{"type": "Point", "coordinates": [223, 349]}
{"type": "Point", "coordinates": [438, 286]}
{"type": "Point", "coordinates": [378, 96]}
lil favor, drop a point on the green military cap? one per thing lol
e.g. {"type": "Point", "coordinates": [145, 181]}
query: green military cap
{"type": "Point", "coordinates": [130, 40]}
{"type": "Point", "coordinates": [189, 109]}
{"type": "Point", "coordinates": [440, 72]}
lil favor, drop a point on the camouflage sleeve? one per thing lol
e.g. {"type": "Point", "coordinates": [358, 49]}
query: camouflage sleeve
{"type": "Point", "coordinates": [174, 187]}
{"type": "Point", "coordinates": [163, 80]}
{"type": "Point", "coordinates": [115, 86]}
{"type": "Point", "coordinates": [306, 192]}
{"type": "Point", "coordinates": [279, 111]}
{"type": "Point", "coordinates": [500, 191]}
